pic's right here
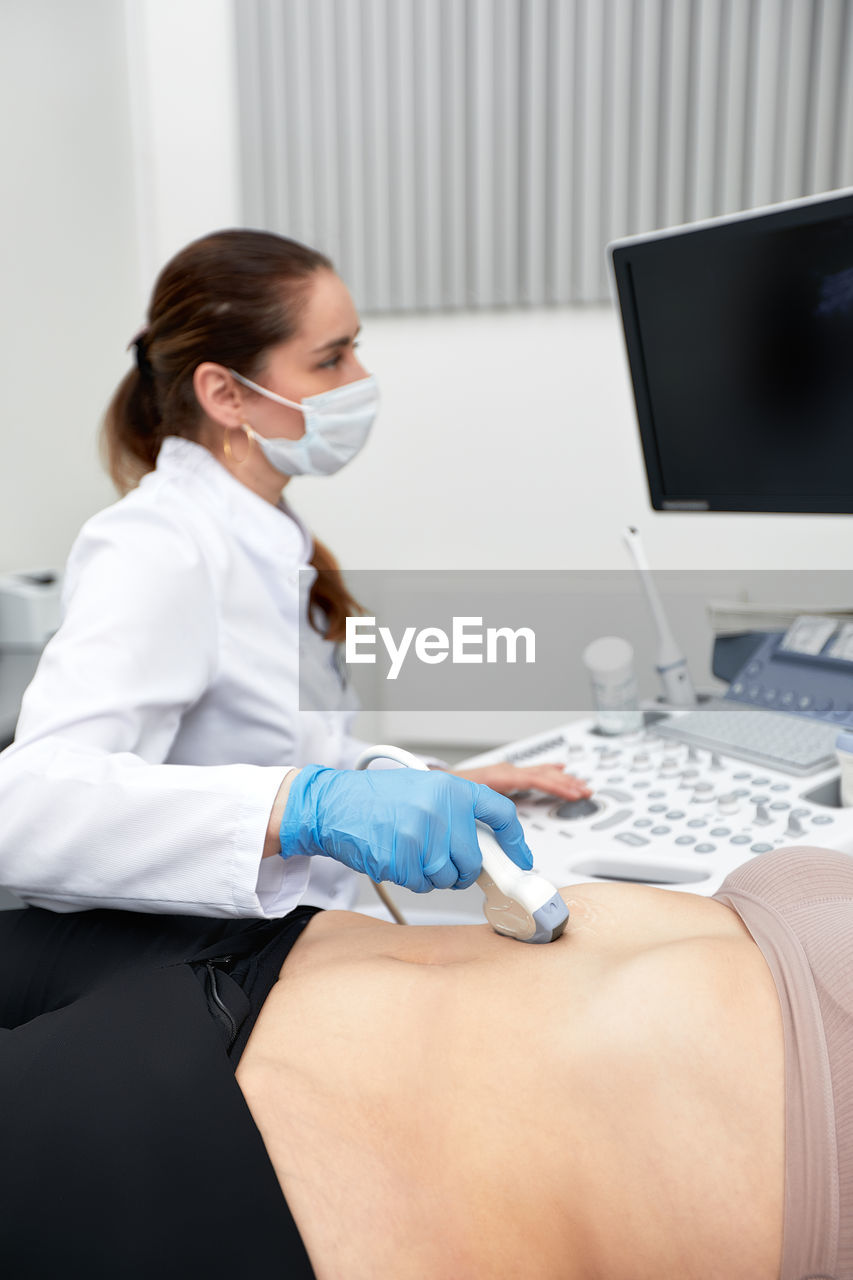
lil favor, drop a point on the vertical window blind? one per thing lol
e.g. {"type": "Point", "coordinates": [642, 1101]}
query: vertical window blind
{"type": "Point", "coordinates": [481, 153]}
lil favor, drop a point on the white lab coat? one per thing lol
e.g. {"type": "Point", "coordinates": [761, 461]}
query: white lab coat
{"type": "Point", "coordinates": [164, 712]}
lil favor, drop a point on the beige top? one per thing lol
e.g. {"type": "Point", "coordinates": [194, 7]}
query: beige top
{"type": "Point", "coordinates": [798, 906]}
{"type": "Point", "coordinates": [445, 1102]}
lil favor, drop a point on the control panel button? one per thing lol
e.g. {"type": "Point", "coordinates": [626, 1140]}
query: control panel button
{"type": "Point", "coordinates": [674, 815]}
{"type": "Point", "coordinates": [804, 702]}
{"type": "Point", "coordinates": [631, 837]}
{"type": "Point", "coordinates": [685, 839]}
{"type": "Point", "coordinates": [661, 831]}
{"type": "Point", "coordinates": [760, 782]}
{"type": "Point", "coordinates": [643, 822]}
{"type": "Point", "coordinates": [754, 692]}
{"type": "Point", "coordinates": [737, 687]}
{"type": "Point", "coordinates": [720, 831]}
{"type": "Point", "coordinates": [740, 839]}
{"type": "Point", "coordinates": [781, 786]}
{"type": "Point", "coordinates": [622, 797]}
{"type": "Point", "coordinates": [770, 695]}
{"type": "Point", "coordinates": [780, 804]}
{"type": "Point", "coordinates": [822, 705]}
{"type": "Point", "coordinates": [787, 699]}
{"type": "Point", "coordinates": [697, 822]}
{"type": "Point", "coordinates": [823, 820]}
{"type": "Point", "coordinates": [761, 848]}
{"type": "Point", "coordinates": [655, 795]}
{"type": "Point", "coordinates": [705, 848]}
{"type": "Point", "coordinates": [657, 808]}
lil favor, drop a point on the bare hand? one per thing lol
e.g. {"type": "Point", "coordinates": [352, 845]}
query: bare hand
{"type": "Point", "coordinates": [508, 778]}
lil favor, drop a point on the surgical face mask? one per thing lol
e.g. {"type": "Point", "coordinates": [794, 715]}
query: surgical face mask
{"type": "Point", "coordinates": [337, 423]}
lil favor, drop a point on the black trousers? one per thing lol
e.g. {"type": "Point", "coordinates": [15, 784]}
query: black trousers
{"type": "Point", "coordinates": [126, 1147]}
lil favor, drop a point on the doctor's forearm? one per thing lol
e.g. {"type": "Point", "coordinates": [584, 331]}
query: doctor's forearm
{"type": "Point", "coordinates": [272, 843]}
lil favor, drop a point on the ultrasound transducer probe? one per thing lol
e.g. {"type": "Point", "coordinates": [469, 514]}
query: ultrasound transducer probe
{"type": "Point", "coordinates": [518, 904]}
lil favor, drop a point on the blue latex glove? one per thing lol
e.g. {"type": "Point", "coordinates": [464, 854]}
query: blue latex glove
{"type": "Point", "coordinates": [415, 828]}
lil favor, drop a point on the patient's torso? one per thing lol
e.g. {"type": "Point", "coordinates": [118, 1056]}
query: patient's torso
{"type": "Point", "coordinates": [442, 1102]}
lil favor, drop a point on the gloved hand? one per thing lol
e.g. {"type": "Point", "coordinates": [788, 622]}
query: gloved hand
{"type": "Point", "coordinates": [406, 825]}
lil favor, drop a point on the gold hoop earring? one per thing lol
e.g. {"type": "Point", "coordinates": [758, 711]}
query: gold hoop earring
{"type": "Point", "coordinates": [226, 446]}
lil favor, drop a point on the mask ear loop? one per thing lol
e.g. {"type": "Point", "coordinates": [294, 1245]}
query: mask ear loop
{"type": "Point", "coordinates": [226, 446]}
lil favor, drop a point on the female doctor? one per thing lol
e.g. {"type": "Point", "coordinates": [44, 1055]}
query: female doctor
{"type": "Point", "coordinates": [161, 762]}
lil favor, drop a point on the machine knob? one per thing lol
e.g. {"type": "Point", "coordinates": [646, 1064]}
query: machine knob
{"type": "Point", "coordinates": [794, 827]}
{"type": "Point", "coordinates": [575, 809]}
{"type": "Point", "coordinates": [728, 804]}
{"type": "Point", "coordinates": [762, 817]}
{"type": "Point", "coordinates": [716, 762]}
{"type": "Point", "coordinates": [641, 760]}
{"type": "Point", "coordinates": [692, 755]}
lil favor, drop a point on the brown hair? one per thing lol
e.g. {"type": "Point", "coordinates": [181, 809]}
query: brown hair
{"type": "Point", "coordinates": [228, 298]}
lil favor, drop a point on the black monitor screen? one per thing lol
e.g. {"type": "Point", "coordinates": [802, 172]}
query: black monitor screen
{"type": "Point", "coordinates": [740, 343]}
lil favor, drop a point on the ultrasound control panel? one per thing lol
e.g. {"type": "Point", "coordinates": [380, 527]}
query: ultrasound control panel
{"type": "Point", "coordinates": [807, 672]}
{"type": "Point", "coordinates": [665, 813]}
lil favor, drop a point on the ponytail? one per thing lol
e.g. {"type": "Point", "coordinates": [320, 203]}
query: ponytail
{"type": "Point", "coordinates": [132, 430]}
{"type": "Point", "coordinates": [329, 594]}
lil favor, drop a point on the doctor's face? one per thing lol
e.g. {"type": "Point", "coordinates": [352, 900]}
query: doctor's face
{"type": "Point", "coordinates": [320, 357]}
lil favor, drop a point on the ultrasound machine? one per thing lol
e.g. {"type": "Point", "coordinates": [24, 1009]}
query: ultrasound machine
{"type": "Point", "coordinates": [739, 336]}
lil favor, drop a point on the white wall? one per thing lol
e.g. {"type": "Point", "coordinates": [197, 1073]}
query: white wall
{"type": "Point", "coordinates": [182, 91]}
{"type": "Point", "coordinates": [506, 439]}
{"type": "Point", "coordinates": [68, 245]}
{"type": "Point", "coordinates": [117, 148]}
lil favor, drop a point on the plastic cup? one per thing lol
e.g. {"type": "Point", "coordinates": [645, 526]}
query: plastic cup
{"type": "Point", "coordinates": [610, 663]}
